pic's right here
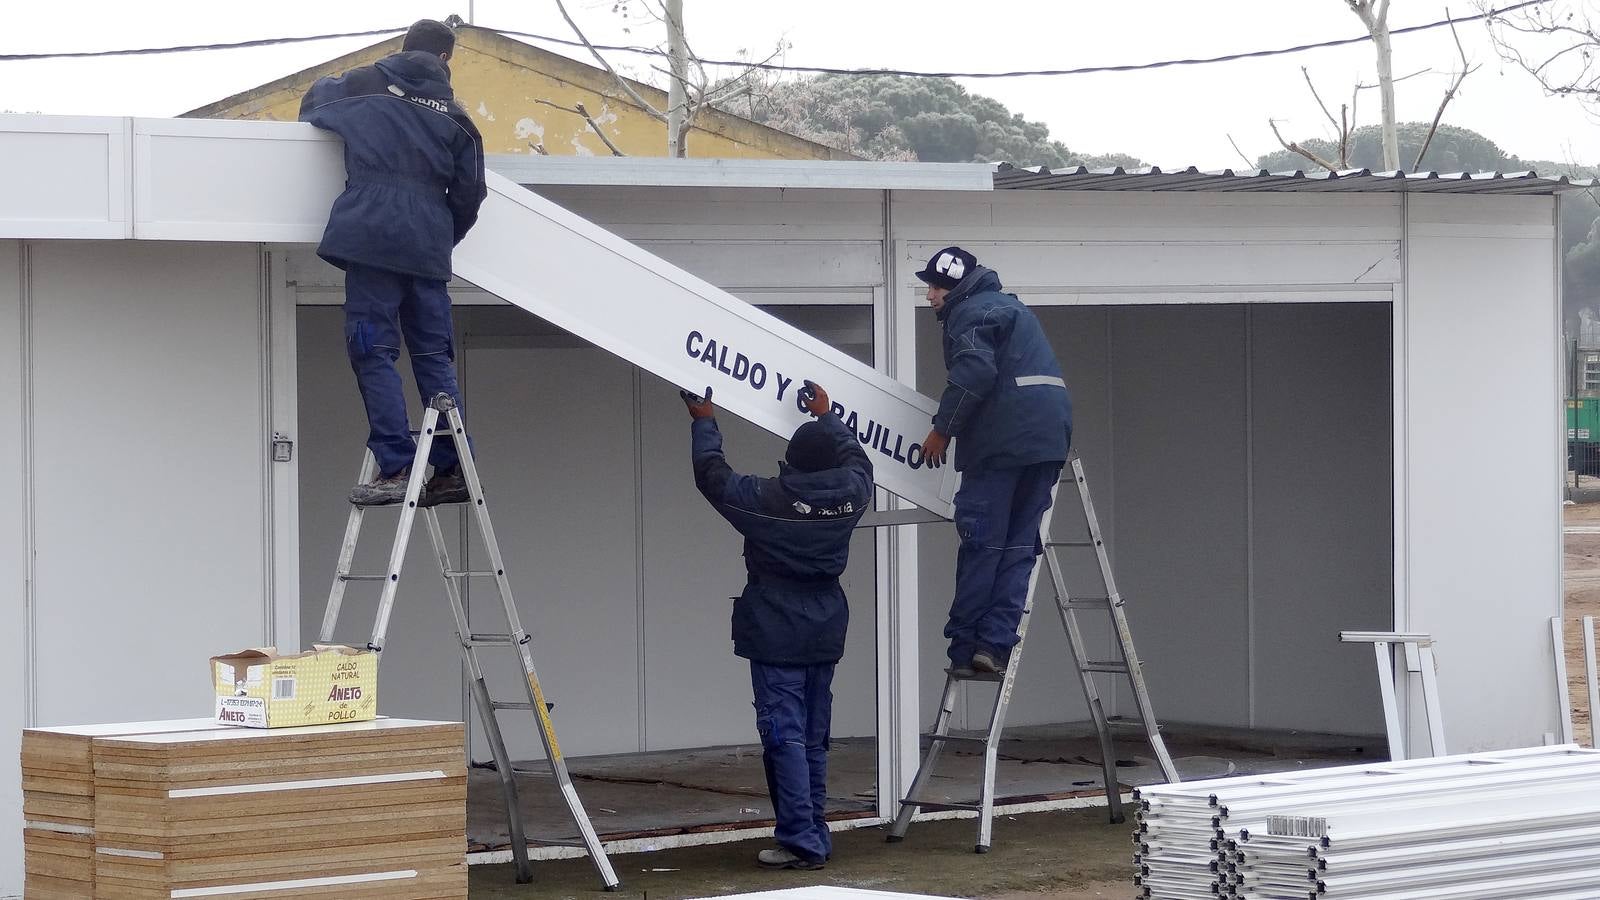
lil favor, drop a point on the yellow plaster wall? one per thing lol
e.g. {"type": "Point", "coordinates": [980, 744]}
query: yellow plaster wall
{"type": "Point", "coordinates": [502, 82]}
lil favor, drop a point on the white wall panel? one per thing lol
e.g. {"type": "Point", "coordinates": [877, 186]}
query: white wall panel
{"type": "Point", "coordinates": [15, 684]}
{"type": "Point", "coordinates": [64, 177]}
{"type": "Point", "coordinates": [219, 180]}
{"type": "Point", "coordinates": [149, 473]}
{"type": "Point", "coordinates": [1136, 267]}
{"type": "Point", "coordinates": [942, 218]}
{"type": "Point", "coordinates": [1482, 469]}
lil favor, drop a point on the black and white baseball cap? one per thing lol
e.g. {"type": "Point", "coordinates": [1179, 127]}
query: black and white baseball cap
{"type": "Point", "coordinates": [947, 267]}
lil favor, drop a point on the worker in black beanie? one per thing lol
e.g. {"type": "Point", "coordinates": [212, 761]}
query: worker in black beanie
{"type": "Point", "coordinates": [413, 183]}
{"type": "Point", "coordinates": [791, 618]}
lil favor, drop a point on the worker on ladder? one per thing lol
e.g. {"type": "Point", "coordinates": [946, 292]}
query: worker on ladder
{"type": "Point", "coordinates": [413, 184]}
{"type": "Point", "coordinates": [791, 618]}
{"type": "Point", "coordinates": [1008, 404]}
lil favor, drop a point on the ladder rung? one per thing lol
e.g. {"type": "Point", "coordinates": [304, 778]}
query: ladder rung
{"type": "Point", "coordinates": [980, 676]}
{"type": "Point", "coordinates": [532, 773]}
{"type": "Point", "coordinates": [484, 574]}
{"type": "Point", "coordinates": [958, 739]}
{"type": "Point", "coordinates": [1098, 604]}
{"type": "Point", "coordinates": [363, 578]}
{"type": "Point", "coordinates": [1104, 666]}
{"type": "Point", "coordinates": [490, 640]}
{"type": "Point", "coordinates": [518, 704]}
{"type": "Point", "coordinates": [1071, 544]}
{"type": "Point", "coordinates": [559, 842]}
{"type": "Point", "coordinates": [933, 806]}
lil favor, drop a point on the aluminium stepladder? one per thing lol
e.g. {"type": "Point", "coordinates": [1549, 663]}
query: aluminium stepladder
{"type": "Point", "coordinates": [515, 637]}
{"type": "Point", "coordinates": [1068, 605]}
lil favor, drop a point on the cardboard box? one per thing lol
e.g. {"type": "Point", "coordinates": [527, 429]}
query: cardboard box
{"type": "Point", "coordinates": [328, 684]}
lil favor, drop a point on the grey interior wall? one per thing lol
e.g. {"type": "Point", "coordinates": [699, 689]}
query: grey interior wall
{"type": "Point", "coordinates": [622, 572]}
{"type": "Point", "coordinates": [1191, 423]}
{"type": "Point", "coordinates": [1322, 476]}
{"type": "Point", "coordinates": [149, 472]}
{"type": "Point", "coordinates": [1179, 442]}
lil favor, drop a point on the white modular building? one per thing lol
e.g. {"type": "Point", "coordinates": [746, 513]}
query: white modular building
{"type": "Point", "coordinates": [1305, 404]}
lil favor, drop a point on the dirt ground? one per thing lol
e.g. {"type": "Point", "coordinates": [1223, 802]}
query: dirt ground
{"type": "Point", "coordinates": [1582, 587]}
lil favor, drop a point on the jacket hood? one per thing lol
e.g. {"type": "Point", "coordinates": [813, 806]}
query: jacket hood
{"type": "Point", "coordinates": [418, 72]}
{"type": "Point", "coordinates": [980, 280]}
{"type": "Point", "coordinates": [824, 488]}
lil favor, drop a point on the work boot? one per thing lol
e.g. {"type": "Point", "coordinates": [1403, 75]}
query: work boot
{"type": "Point", "coordinates": [784, 858]}
{"type": "Point", "coordinates": [983, 662]}
{"type": "Point", "coordinates": [385, 490]}
{"type": "Point", "coordinates": [445, 487]}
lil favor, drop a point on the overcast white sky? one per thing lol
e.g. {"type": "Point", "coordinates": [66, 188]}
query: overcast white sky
{"type": "Point", "coordinates": [1175, 116]}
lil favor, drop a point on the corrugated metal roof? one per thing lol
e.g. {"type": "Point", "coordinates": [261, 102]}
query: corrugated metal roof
{"type": "Point", "coordinates": [1154, 178]}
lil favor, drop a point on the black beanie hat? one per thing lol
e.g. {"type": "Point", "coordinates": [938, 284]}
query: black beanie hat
{"type": "Point", "coordinates": [947, 267]}
{"type": "Point", "coordinates": [430, 36]}
{"type": "Point", "coordinates": [811, 448]}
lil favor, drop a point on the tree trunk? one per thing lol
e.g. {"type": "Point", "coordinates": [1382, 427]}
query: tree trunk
{"type": "Point", "coordinates": [1391, 143]}
{"type": "Point", "coordinates": [677, 96]}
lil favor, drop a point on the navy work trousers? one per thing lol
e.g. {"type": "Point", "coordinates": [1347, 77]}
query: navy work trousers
{"type": "Point", "coordinates": [794, 706]}
{"type": "Point", "coordinates": [998, 512]}
{"type": "Point", "coordinates": [379, 307]}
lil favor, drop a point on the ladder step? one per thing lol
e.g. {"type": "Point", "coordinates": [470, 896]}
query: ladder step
{"type": "Point", "coordinates": [1071, 544]}
{"type": "Point", "coordinates": [1105, 666]}
{"type": "Point", "coordinates": [490, 640]}
{"type": "Point", "coordinates": [958, 739]}
{"type": "Point", "coordinates": [484, 574]}
{"type": "Point", "coordinates": [979, 676]}
{"type": "Point", "coordinates": [1097, 604]}
{"type": "Point", "coordinates": [363, 578]}
{"type": "Point", "coordinates": [518, 704]}
{"type": "Point", "coordinates": [934, 806]}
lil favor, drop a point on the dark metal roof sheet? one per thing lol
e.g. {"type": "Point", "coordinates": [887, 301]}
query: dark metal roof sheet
{"type": "Point", "coordinates": [1154, 178]}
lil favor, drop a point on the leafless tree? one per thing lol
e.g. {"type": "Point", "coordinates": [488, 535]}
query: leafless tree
{"type": "Point", "coordinates": [1345, 125]}
{"type": "Point", "coordinates": [690, 88]}
{"type": "Point", "coordinates": [1556, 43]}
{"type": "Point", "coordinates": [1375, 15]}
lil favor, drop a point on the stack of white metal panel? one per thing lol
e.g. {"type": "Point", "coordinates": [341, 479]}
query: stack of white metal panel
{"type": "Point", "coordinates": [1361, 831]}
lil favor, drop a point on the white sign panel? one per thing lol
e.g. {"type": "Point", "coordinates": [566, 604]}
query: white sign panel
{"type": "Point", "coordinates": [611, 293]}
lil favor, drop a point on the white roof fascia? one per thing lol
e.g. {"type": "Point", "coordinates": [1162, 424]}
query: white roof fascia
{"type": "Point", "coordinates": [752, 173]}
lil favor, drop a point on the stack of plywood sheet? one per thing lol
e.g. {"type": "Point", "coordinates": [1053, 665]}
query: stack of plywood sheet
{"type": "Point", "coordinates": [58, 803]}
{"type": "Point", "coordinates": [370, 809]}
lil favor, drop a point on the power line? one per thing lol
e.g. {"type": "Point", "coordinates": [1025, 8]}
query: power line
{"type": "Point", "coordinates": [783, 67]}
{"type": "Point", "coordinates": [188, 48]}
{"type": "Point", "coordinates": [1084, 70]}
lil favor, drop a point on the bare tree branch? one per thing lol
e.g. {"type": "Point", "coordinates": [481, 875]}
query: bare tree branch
{"type": "Point", "coordinates": [594, 126]}
{"type": "Point", "coordinates": [1247, 163]}
{"type": "Point", "coordinates": [1467, 68]}
{"type": "Point", "coordinates": [1567, 69]}
{"type": "Point", "coordinates": [1307, 73]}
{"type": "Point", "coordinates": [623, 82]}
{"type": "Point", "coordinates": [1297, 149]}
